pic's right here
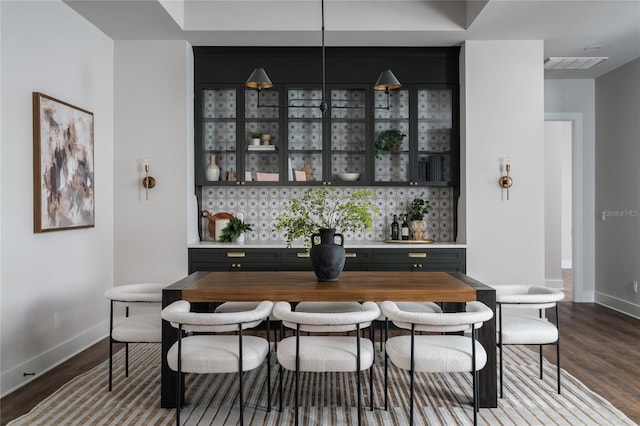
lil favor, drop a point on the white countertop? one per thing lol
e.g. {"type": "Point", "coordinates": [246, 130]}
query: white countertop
{"type": "Point", "coordinates": [381, 244]}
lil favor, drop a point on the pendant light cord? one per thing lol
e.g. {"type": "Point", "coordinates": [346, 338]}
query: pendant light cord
{"type": "Point", "coordinates": [323, 104]}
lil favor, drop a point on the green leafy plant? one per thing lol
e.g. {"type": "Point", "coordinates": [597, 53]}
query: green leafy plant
{"type": "Point", "coordinates": [322, 208]}
{"type": "Point", "coordinates": [418, 209]}
{"type": "Point", "coordinates": [388, 140]}
{"type": "Point", "coordinates": [232, 231]}
{"type": "Point", "coordinates": [255, 135]}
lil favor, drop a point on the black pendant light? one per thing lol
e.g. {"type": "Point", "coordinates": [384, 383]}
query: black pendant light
{"type": "Point", "coordinates": [259, 80]}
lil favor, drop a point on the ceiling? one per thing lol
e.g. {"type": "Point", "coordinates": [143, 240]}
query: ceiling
{"type": "Point", "coordinates": [608, 28]}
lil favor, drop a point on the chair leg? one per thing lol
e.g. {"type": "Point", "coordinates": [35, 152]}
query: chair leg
{"type": "Point", "coordinates": [240, 368]}
{"type": "Point", "coordinates": [179, 392]}
{"type": "Point", "coordinates": [269, 366]}
{"type": "Point", "coordinates": [413, 326]}
{"type": "Point", "coordinates": [111, 346]}
{"type": "Point", "coordinates": [386, 389]}
{"type": "Point", "coordinates": [474, 371]}
{"type": "Point", "coordinates": [110, 363]}
{"type": "Point", "coordinates": [371, 387]}
{"type": "Point", "coordinates": [540, 315]}
{"type": "Point", "coordinates": [297, 371]}
{"type": "Point", "coordinates": [126, 348]}
{"type": "Point", "coordinates": [558, 366]}
{"type": "Point", "coordinates": [280, 390]}
{"type": "Point", "coordinates": [386, 365]}
{"type": "Point", "coordinates": [540, 355]}
{"type": "Point", "coordinates": [126, 360]}
{"type": "Point", "coordinates": [359, 390]}
{"type": "Point", "coordinates": [558, 345]}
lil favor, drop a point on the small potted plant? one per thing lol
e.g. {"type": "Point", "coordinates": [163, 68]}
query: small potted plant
{"type": "Point", "coordinates": [388, 140]}
{"type": "Point", "coordinates": [317, 215]}
{"type": "Point", "coordinates": [418, 209]}
{"type": "Point", "coordinates": [255, 137]}
{"type": "Point", "coordinates": [234, 231]}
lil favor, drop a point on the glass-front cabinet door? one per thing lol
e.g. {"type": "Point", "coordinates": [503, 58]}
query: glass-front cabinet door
{"type": "Point", "coordinates": [348, 135]}
{"type": "Point", "coordinates": [218, 109]}
{"type": "Point", "coordinates": [435, 124]}
{"type": "Point", "coordinates": [262, 140]}
{"type": "Point", "coordinates": [304, 162]}
{"type": "Point", "coordinates": [391, 161]}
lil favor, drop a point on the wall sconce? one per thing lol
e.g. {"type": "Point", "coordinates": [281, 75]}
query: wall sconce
{"type": "Point", "coordinates": [148, 181]}
{"type": "Point", "coordinates": [505, 182]}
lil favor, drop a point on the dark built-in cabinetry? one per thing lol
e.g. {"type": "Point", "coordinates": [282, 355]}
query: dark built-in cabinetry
{"type": "Point", "coordinates": [357, 259]}
{"type": "Point", "coordinates": [307, 147]}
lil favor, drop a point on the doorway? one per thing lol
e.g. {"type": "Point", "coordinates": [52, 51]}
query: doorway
{"type": "Point", "coordinates": [563, 198]}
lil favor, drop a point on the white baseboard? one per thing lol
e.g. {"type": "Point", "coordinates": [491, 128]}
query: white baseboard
{"type": "Point", "coordinates": [554, 284]}
{"type": "Point", "coordinates": [617, 304]}
{"type": "Point", "coordinates": [14, 378]}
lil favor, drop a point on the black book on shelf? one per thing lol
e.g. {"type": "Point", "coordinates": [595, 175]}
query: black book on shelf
{"type": "Point", "coordinates": [422, 170]}
{"type": "Point", "coordinates": [435, 168]}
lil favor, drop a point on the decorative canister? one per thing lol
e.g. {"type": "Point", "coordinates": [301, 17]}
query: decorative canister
{"type": "Point", "coordinates": [220, 225]}
{"type": "Point", "coordinates": [327, 257]}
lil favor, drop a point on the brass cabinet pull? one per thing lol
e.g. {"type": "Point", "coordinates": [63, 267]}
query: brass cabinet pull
{"type": "Point", "coordinates": [236, 254]}
{"type": "Point", "coordinates": [417, 255]}
{"type": "Point", "coordinates": [351, 255]}
{"type": "Point", "coordinates": [303, 254]}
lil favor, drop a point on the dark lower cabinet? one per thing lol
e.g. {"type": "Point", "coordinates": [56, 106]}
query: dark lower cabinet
{"type": "Point", "coordinates": [298, 260]}
{"type": "Point", "coordinates": [250, 259]}
{"type": "Point", "coordinates": [357, 259]}
{"type": "Point", "coordinates": [420, 259]}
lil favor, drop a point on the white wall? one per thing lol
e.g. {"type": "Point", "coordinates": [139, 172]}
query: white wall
{"type": "Point", "coordinates": [47, 47]}
{"type": "Point", "coordinates": [502, 90]}
{"type": "Point", "coordinates": [153, 119]}
{"type": "Point", "coordinates": [575, 100]}
{"type": "Point", "coordinates": [617, 188]}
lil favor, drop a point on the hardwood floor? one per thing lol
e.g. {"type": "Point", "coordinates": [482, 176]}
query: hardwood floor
{"type": "Point", "coordinates": [598, 345]}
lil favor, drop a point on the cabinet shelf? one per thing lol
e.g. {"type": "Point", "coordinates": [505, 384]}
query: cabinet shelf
{"type": "Point", "coordinates": [219, 119]}
{"type": "Point", "coordinates": [305, 137]}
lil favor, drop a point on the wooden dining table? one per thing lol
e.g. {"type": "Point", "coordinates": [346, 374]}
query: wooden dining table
{"type": "Point", "coordinates": [203, 289]}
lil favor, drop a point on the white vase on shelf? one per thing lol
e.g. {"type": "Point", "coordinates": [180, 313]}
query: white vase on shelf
{"type": "Point", "coordinates": [213, 171]}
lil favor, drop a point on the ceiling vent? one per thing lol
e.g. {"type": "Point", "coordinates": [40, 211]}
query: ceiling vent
{"type": "Point", "coordinates": [576, 63]}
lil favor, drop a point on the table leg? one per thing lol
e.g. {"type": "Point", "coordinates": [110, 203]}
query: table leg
{"type": "Point", "coordinates": [488, 386]}
{"type": "Point", "coordinates": [168, 384]}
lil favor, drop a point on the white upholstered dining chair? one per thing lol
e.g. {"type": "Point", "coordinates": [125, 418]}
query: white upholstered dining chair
{"type": "Point", "coordinates": [404, 306]}
{"type": "Point", "coordinates": [326, 353]}
{"type": "Point", "coordinates": [527, 328]}
{"type": "Point", "coordinates": [203, 353]}
{"type": "Point", "coordinates": [144, 326]}
{"type": "Point", "coordinates": [437, 353]}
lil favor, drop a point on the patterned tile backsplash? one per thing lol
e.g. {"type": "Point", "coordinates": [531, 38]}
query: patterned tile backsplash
{"type": "Point", "coordinates": [261, 205]}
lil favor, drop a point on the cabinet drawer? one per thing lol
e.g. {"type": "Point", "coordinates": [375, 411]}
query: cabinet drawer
{"type": "Point", "coordinates": [355, 259]}
{"type": "Point", "coordinates": [448, 260]}
{"type": "Point", "coordinates": [232, 266]}
{"type": "Point", "coordinates": [234, 255]}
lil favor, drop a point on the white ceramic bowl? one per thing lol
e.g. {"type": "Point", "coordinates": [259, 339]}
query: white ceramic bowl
{"type": "Point", "coordinates": [348, 177]}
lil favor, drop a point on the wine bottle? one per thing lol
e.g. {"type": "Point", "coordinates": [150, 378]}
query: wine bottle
{"type": "Point", "coordinates": [395, 228]}
{"type": "Point", "coordinates": [404, 228]}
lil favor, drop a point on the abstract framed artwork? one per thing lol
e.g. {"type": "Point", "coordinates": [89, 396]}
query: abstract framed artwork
{"type": "Point", "coordinates": [63, 186]}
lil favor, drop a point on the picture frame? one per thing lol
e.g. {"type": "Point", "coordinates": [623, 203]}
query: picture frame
{"type": "Point", "coordinates": [63, 166]}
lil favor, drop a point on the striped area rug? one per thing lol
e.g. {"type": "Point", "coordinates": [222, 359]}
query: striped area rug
{"type": "Point", "coordinates": [326, 399]}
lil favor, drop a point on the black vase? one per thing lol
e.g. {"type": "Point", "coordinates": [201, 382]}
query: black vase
{"type": "Point", "coordinates": [327, 257]}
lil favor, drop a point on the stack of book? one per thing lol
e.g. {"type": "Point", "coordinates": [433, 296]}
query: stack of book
{"type": "Point", "coordinates": [434, 168]}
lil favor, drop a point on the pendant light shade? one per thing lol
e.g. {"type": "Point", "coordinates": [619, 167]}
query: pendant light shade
{"type": "Point", "coordinates": [387, 81]}
{"type": "Point", "coordinates": [258, 80]}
